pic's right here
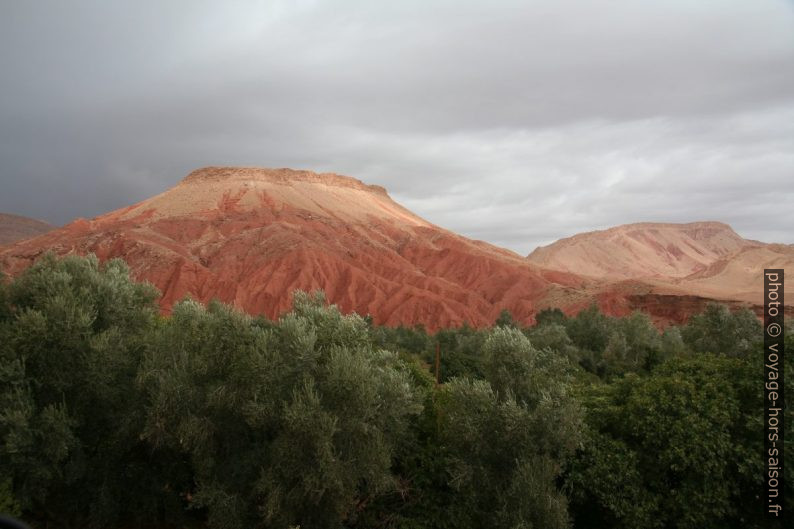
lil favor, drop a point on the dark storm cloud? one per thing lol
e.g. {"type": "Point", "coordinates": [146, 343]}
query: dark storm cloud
{"type": "Point", "coordinates": [517, 123]}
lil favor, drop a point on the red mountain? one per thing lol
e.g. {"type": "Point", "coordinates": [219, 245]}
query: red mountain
{"type": "Point", "coordinates": [249, 237]}
{"type": "Point", "coordinates": [15, 228]}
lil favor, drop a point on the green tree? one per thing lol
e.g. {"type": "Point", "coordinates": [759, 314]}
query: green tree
{"type": "Point", "coordinates": [673, 345]}
{"type": "Point", "coordinates": [634, 345]}
{"type": "Point", "coordinates": [550, 316]}
{"type": "Point", "coordinates": [718, 330]}
{"type": "Point", "coordinates": [296, 425]}
{"type": "Point", "coordinates": [553, 336]}
{"type": "Point", "coordinates": [488, 453]}
{"type": "Point", "coordinates": [500, 475]}
{"type": "Point", "coordinates": [505, 319]}
{"type": "Point", "coordinates": [414, 340]}
{"type": "Point", "coordinates": [72, 332]}
{"type": "Point", "coordinates": [676, 449]}
{"type": "Point", "coordinates": [461, 352]}
{"type": "Point", "coordinates": [507, 437]}
{"type": "Point", "coordinates": [8, 503]}
{"type": "Point", "coordinates": [590, 331]}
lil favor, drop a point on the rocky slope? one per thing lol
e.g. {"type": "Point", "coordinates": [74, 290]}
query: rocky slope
{"type": "Point", "coordinates": [706, 260]}
{"type": "Point", "coordinates": [251, 236]}
{"type": "Point", "coordinates": [15, 228]}
{"type": "Point", "coordinates": [643, 250]}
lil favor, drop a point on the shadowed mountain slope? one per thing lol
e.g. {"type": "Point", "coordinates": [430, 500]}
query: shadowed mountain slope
{"type": "Point", "coordinates": [250, 236]}
{"type": "Point", "coordinates": [15, 228]}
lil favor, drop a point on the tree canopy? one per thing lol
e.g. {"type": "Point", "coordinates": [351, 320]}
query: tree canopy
{"type": "Point", "coordinates": [113, 415]}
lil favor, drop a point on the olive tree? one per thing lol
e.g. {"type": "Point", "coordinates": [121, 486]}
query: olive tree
{"type": "Point", "coordinates": [294, 424]}
{"type": "Point", "coordinates": [72, 332]}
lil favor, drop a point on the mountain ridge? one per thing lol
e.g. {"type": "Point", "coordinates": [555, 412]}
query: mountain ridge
{"type": "Point", "coordinates": [282, 175]}
{"type": "Point", "coordinates": [707, 259]}
{"type": "Point", "coordinates": [250, 236]}
{"type": "Point", "coordinates": [643, 249]}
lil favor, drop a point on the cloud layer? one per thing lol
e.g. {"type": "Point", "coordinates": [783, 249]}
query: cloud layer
{"type": "Point", "coordinates": [513, 122]}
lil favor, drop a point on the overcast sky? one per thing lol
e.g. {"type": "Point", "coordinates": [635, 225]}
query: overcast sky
{"type": "Point", "coordinates": [513, 122]}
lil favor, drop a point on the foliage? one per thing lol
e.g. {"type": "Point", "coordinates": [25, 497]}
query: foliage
{"type": "Point", "coordinates": [413, 340]}
{"type": "Point", "coordinates": [718, 330]}
{"type": "Point", "coordinates": [114, 416]}
{"type": "Point", "coordinates": [634, 345]}
{"type": "Point", "coordinates": [550, 316]}
{"type": "Point", "coordinates": [505, 319]}
{"type": "Point", "coordinates": [510, 435]}
{"type": "Point", "coordinates": [72, 334]}
{"type": "Point", "coordinates": [501, 477]}
{"type": "Point", "coordinates": [679, 448]}
{"type": "Point", "coordinates": [461, 352]}
{"type": "Point", "coordinates": [487, 453]}
{"type": "Point", "coordinates": [296, 425]}
{"type": "Point", "coordinates": [8, 503]}
{"type": "Point", "coordinates": [553, 336]}
{"type": "Point", "coordinates": [590, 329]}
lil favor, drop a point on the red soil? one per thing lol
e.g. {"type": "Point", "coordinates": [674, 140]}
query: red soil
{"type": "Point", "coordinates": [250, 237]}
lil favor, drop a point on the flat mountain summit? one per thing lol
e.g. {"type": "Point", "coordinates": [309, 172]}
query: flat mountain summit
{"type": "Point", "coordinates": [236, 190]}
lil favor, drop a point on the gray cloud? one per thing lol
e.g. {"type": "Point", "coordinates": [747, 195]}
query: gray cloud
{"type": "Point", "coordinates": [512, 122]}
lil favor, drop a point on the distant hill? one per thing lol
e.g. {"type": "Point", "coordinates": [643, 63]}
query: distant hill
{"type": "Point", "coordinates": [706, 259]}
{"type": "Point", "coordinates": [15, 228]}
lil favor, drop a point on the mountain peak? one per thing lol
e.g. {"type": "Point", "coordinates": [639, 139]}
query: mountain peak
{"type": "Point", "coordinates": [282, 175]}
{"type": "Point", "coordinates": [250, 236]}
{"type": "Point", "coordinates": [212, 191]}
{"type": "Point", "coordinates": [645, 249]}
